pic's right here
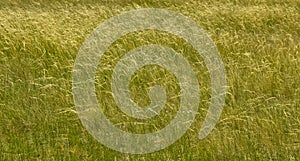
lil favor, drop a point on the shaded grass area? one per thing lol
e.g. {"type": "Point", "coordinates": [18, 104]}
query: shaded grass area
{"type": "Point", "coordinates": [259, 44]}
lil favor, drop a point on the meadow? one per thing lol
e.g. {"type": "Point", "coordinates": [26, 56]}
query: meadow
{"type": "Point", "coordinates": [258, 40]}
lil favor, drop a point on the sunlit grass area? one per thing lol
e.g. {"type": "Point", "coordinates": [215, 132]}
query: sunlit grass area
{"type": "Point", "coordinates": [259, 42]}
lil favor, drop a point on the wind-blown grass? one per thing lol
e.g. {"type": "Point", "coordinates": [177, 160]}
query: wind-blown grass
{"type": "Point", "coordinates": [259, 43]}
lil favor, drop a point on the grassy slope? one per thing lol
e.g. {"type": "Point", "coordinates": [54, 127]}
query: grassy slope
{"type": "Point", "coordinates": [258, 42]}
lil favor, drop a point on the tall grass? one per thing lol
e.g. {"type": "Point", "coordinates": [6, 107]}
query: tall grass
{"type": "Point", "coordinates": [259, 42]}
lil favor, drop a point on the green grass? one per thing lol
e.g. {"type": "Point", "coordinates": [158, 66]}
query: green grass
{"type": "Point", "coordinates": [259, 42]}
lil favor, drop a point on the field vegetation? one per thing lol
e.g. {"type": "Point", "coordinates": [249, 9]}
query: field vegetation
{"type": "Point", "coordinates": [258, 40]}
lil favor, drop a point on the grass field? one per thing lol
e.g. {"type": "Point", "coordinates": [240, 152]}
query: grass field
{"type": "Point", "coordinates": [259, 42]}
